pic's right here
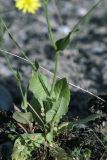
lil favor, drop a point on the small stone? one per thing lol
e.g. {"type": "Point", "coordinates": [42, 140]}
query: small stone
{"type": "Point", "coordinates": [81, 11]}
{"type": "Point", "coordinates": [64, 30]}
{"type": "Point", "coordinates": [4, 70]}
{"type": "Point", "coordinates": [6, 101]}
{"type": "Point", "coordinates": [49, 51]}
{"type": "Point", "coordinates": [95, 74]}
{"type": "Point", "coordinates": [101, 31]}
{"type": "Point", "coordinates": [6, 150]}
{"type": "Point", "coordinates": [97, 50]}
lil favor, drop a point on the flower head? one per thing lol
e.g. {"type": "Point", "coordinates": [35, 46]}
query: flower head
{"type": "Point", "coordinates": [30, 6]}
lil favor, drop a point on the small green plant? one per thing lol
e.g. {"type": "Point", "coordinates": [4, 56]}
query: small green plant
{"type": "Point", "coordinates": [44, 109]}
{"type": "Point", "coordinates": [80, 154]}
{"type": "Point", "coordinates": [40, 118]}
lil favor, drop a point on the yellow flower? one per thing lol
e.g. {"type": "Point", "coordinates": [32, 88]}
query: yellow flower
{"type": "Point", "coordinates": [30, 6]}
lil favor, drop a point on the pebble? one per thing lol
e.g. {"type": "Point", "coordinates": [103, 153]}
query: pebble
{"type": "Point", "coordinates": [81, 11]}
{"type": "Point", "coordinates": [97, 50]}
{"type": "Point", "coordinates": [86, 51]}
{"type": "Point", "coordinates": [4, 70]}
{"type": "Point", "coordinates": [64, 30]}
{"type": "Point", "coordinates": [6, 150]}
{"type": "Point", "coordinates": [6, 101]}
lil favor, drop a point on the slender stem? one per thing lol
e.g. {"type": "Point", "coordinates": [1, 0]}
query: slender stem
{"type": "Point", "coordinates": [13, 39]}
{"type": "Point", "coordinates": [48, 24]}
{"type": "Point", "coordinates": [23, 53]}
{"type": "Point", "coordinates": [55, 73]}
{"type": "Point", "coordinates": [52, 43]}
{"type": "Point", "coordinates": [50, 73]}
{"type": "Point", "coordinates": [35, 113]}
{"type": "Point", "coordinates": [14, 73]}
{"type": "Point", "coordinates": [9, 65]}
{"type": "Point", "coordinates": [76, 26]}
{"type": "Point", "coordinates": [21, 126]}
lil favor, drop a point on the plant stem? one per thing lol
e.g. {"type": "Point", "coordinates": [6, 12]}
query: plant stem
{"type": "Point", "coordinates": [36, 113]}
{"type": "Point", "coordinates": [53, 44]}
{"type": "Point", "coordinates": [55, 73]}
{"type": "Point", "coordinates": [48, 24]}
{"type": "Point", "coordinates": [21, 126]}
{"type": "Point", "coordinates": [13, 39]}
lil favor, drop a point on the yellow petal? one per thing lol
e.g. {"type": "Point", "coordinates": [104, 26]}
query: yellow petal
{"type": "Point", "coordinates": [30, 6]}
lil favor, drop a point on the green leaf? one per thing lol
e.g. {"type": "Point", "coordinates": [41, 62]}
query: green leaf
{"type": "Point", "coordinates": [65, 126]}
{"type": "Point", "coordinates": [20, 151]}
{"type": "Point", "coordinates": [24, 95]}
{"type": "Point", "coordinates": [25, 144]}
{"type": "Point", "coordinates": [58, 153]}
{"type": "Point", "coordinates": [48, 104]}
{"type": "Point", "coordinates": [88, 119]}
{"type": "Point", "coordinates": [62, 43]}
{"type": "Point", "coordinates": [36, 139]}
{"type": "Point", "coordinates": [36, 87]}
{"type": "Point", "coordinates": [36, 111]}
{"type": "Point", "coordinates": [69, 125]}
{"type": "Point", "coordinates": [49, 115]}
{"type": "Point", "coordinates": [24, 102]}
{"type": "Point", "coordinates": [39, 86]}
{"type": "Point", "coordinates": [60, 106]}
{"type": "Point", "coordinates": [45, 83]}
{"type": "Point", "coordinates": [61, 86]}
{"type": "Point", "coordinates": [49, 137]}
{"type": "Point", "coordinates": [24, 118]}
{"type": "Point", "coordinates": [87, 153]}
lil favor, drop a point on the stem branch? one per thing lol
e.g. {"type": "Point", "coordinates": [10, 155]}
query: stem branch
{"type": "Point", "coordinates": [48, 24]}
{"type": "Point", "coordinates": [55, 73]}
{"type": "Point", "coordinates": [52, 43]}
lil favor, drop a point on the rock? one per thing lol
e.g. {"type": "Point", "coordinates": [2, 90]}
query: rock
{"type": "Point", "coordinates": [95, 74]}
{"type": "Point", "coordinates": [4, 70]}
{"type": "Point", "coordinates": [6, 150]}
{"type": "Point", "coordinates": [81, 11]}
{"type": "Point", "coordinates": [64, 30]}
{"type": "Point", "coordinates": [6, 101]}
{"type": "Point", "coordinates": [49, 51]}
{"type": "Point", "coordinates": [98, 50]}
{"type": "Point", "coordinates": [14, 90]}
{"type": "Point", "coordinates": [101, 31]}
{"type": "Point", "coordinates": [87, 50]}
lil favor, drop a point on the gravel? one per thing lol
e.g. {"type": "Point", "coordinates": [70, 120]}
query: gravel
{"type": "Point", "coordinates": [84, 62]}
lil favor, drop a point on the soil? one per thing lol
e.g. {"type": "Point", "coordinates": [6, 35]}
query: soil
{"type": "Point", "coordinates": [83, 63]}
